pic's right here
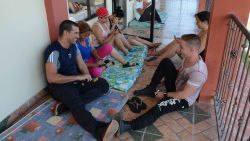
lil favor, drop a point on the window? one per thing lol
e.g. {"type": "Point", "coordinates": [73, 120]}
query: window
{"type": "Point", "coordinates": [84, 9]}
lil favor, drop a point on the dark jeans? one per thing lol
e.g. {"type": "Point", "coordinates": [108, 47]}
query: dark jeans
{"type": "Point", "coordinates": [166, 105]}
{"type": "Point", "coordinates": [167, 70]}
{"type": "Point", "coordinates": [146, 16]}
{"type": "Point", "coordinates": [75, 95]}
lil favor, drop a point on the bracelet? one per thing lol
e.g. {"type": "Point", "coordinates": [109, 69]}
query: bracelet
{"type": "Point", "coordinates": [166, 94]}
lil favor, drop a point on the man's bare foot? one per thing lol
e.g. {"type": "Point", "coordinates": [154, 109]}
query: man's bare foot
{"type": "Point", "coordinates": [152, 63]}
{"type": "Point", "coordinates": [111, 130]}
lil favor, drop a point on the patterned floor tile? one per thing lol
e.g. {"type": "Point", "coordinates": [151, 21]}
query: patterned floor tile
{"type": "Point", "coordinates": [124, 136]}
{"type": "Point", "coordinates": [211, 133]}
{"type": "Point", "coordinates": [169, 135]}
{"type": "Point", "coordinates": [194, 114]}
{"type": "Point", "coordinates": [189, 137]}
{"type": "Point", "coordinates": [173, 125]}
{"type": "Point", "coordinates": [150, 133]}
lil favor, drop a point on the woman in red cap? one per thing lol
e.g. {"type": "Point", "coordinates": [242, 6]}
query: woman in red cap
{"type": "Point", "coordinates": [104, 35]}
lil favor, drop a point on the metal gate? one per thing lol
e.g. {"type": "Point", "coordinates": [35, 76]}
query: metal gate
{"type": "Point", "coordinates": [232, 100]}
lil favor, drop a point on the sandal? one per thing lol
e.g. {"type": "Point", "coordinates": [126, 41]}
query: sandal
{"type": "Point", "coordinates": [130, 65]}
{"type": "Point", "coordinates": [109, 61]}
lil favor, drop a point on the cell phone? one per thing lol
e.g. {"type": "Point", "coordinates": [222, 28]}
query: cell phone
{"type": "Point", "coordinates": [116, 27]}
{"type": "Point", "coordinates": [175, 37]}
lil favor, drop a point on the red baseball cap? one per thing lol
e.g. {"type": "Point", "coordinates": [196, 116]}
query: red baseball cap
{"type": "Point", "coordinates": [102, 12]}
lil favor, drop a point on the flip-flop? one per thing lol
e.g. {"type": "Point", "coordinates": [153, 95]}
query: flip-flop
{"type": "Point", "coordinates": [130, 65]}
{"type": "Point", "coordinates": [108, 61]}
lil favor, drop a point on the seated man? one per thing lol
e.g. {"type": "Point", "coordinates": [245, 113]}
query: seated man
{"type": "Point", "coordinates": [74, 7]}
{"type": "Point", "coordinates": [183, 85]}
{"type": "Point", "coordinates": [69, 81]}
{"type": "Point", "coordinates": [142, 11]}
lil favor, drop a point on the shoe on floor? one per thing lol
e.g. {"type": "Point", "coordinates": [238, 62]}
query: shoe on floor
{"type": "Point", "coordinates": [136, 105]}
{"type": "Point", "coordinates": [58, 108]}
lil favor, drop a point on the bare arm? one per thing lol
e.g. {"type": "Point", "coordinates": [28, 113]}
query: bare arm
{"type": "Point", "coordinates": [186, 92]}
{"type": "Point", "coordinates": [95, 54]}
{"type": "Point", "coordinates": [81, 65]}
{"type": "Point", "coordinates": [140, 10]}
{"type": "Point", "coordinates": [71, 6]}
{"type": "Point", "coordinates": [203, 38]}
{"type": "Point", "coordinates": [94, 51]}
{"type": "Point", "coordinates": [56, 78]}
{"type": "Point", "coordinates": [83, 68]}
{"type": "Point", "coordinates": [98, 34]}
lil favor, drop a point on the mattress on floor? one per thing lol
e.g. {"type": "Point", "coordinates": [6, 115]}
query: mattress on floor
{"type": "Point", "coordinates": [121, 78]}
{"type": "Point", "coordinates": [136, 23]}
{"type": "Point", "coordinates": [40, 125]}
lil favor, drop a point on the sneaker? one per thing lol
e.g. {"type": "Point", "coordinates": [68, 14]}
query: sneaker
{"type": "Point", "coordinates": [110, 131]}
{"type": "Point", "coordinates": [140, 102]}
{"type": "Point", "coordinates": [147, 91]}
{"type": "Point", "coordinates": [136, 105]}
{"type": "Point", "coordinates": [58, 108]}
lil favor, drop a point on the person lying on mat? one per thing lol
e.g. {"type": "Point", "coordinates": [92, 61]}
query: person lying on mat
{"type": "Point", "coordinates": [117, 16]}
{"type": "Point", "coordinates": [182, 86]}
{"type": "Point", "coordinates": [104, 35]}
{"type": "Point", "coordinates": [69, 82]}
{"type": "Point", "coordinates": [169, 51]}
{"type": "Point", "coordinates": [142, 11]}
{"type": "Point", "coordinates": [94, 57]}
{"type": "Point", "coordinates": [74, 7]}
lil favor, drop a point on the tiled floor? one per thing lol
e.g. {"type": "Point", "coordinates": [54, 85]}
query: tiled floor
{"type": "Point", "coordinates": [197, 123]}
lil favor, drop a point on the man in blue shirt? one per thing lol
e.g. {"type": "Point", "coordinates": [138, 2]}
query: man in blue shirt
{"type": "Point", "coordinates": [70, 83]}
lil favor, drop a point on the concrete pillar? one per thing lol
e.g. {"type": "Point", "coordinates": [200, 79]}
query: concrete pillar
{"type": "Point", "coordinates": [56, 12]}
{"type": "Point", "coordinates": [216, 41]}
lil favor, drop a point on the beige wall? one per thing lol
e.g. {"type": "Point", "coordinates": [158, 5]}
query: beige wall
{"type": "Point", "coordinates": [24, 35]}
